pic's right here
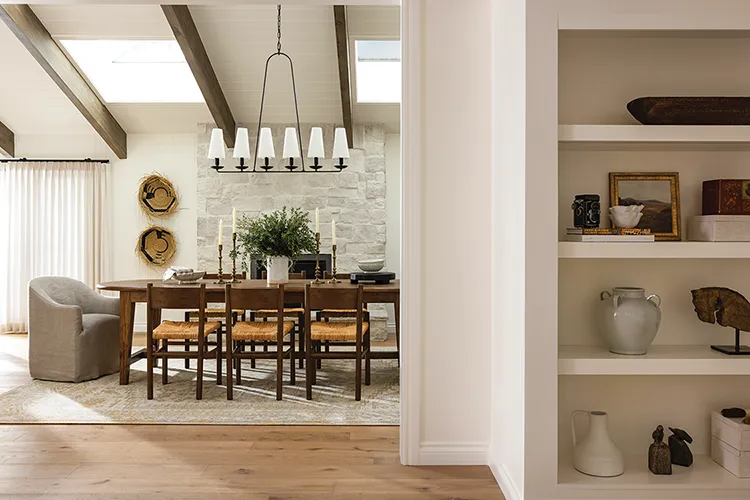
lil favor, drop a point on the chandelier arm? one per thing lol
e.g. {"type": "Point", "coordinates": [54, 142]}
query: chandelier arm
{"type": "Point", "coordinates": [260, 114]}
{"type": "Point", "coordinates": [296, 110]}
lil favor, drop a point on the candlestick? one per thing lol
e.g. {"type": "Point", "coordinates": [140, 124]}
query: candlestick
{"type": "Point", "coordinates": [234, 259]}
{"type": "Point", "coordinates": [234, 221]}
{"type": "Point", "coordinates": [317, 279]}
{"type": "Point", "coordinates": [333, 277]}
{"type": "Point", "coordinates": [333, 232]}
{"type": "Point", "coordinates": [221, 230]}
{"type": "Point", "coordinates": [317, 221]}
{"type": "Point", "coordinates": [219, 275]}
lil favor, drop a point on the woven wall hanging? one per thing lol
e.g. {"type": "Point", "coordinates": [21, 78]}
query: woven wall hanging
{"type": "Point", "coordinates": [156, 246]}
{"type": "Point", "coordinates": [157, 196]}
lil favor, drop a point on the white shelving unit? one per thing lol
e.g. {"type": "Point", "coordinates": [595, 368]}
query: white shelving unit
{"type": "Point", "coordinates": [654, 250]}
{"type": "Point", "coordinates": [635, 137]}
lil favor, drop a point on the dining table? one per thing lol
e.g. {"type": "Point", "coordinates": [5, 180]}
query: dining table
{"type": "Point", "coordinates": [134, 291]}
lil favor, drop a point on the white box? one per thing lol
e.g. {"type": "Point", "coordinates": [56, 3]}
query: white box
{"type": "Point", "coordinates": [719, 228]}
{"type": "Point", "coordinates": [736, 462]}
{"type": "Point", "coordinates": [731, 431]}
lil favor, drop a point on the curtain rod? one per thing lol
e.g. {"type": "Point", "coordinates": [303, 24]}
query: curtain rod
{"type": "Point", "coordinates": [7, 160]}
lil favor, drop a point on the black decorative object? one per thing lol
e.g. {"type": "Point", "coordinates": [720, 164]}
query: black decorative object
{"type": "Point", "coordinates": [733, 413]}
{"type": "Point", "coordinates": [586, 210]}
{"type": "Point", "coordinates": [727, 308]}
{"type": "Point", "coordinates": [379, 278]}
{"type": "Point", "coordinates": [659, 461]}
{"type": "Point", "coordinates": [678, 447]}
{"type": "Point", "coordinates": [691, 110]}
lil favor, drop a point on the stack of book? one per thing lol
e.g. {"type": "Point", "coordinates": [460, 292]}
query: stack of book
{"type": "Point", "coordinates": [604, 235]}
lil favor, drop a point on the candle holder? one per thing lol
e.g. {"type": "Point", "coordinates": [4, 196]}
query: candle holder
{"type": "Point", "coordinates": [317, 280]}
{"type": "Point", "coordinates": [234, 259]}
{"type": "Point", "coordinates": [220, 275]}
{"type": "Point", "coordinates": [333, 276]}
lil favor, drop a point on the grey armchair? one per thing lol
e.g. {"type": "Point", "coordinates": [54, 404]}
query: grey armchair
{"type": "Point", "coordinates": [73, 331]}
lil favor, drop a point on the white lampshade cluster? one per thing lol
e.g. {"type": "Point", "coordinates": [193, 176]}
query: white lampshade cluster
{"type": "Point", "coordinates": [291, 149]}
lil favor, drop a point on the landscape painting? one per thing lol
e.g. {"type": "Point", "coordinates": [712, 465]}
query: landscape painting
{"type": "Point", "coordinates": [659, 194]}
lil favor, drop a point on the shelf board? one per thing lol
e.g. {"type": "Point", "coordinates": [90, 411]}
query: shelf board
{"type": "Point", "coordinates": [654, 250]}
{"type": "Point", "coordinates": [625, 137]}
{"type": "Point", "coordinates": [660, 360]}
{"type": "Point", "coordinates": [705, 475]}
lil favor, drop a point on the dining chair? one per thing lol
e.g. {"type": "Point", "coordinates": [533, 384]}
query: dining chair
{"type": "Point", "coordinates": [159, 298]}
{"type": "Point", "coordinates": [216, 313]}
{"type": "Point", "coordinates": [258, 331]}
{"type": "Point", "coordinates": [341, 333]}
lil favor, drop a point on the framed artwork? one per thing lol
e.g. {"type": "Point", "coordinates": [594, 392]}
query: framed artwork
{"type": "Point", "coordinates": [658, 192]}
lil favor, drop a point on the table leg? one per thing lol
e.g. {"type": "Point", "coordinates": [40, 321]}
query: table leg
{"type": "Point", "coordinates": [397, 314]}
{"type": "Point", "coordinates": [127, 317]}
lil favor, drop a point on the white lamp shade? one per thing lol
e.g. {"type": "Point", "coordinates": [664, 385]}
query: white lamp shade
{"type": "Point", "coordinates": [265, 144]}
{"type": "Point", "coordinates": [315, 149]}
{"type": "Point", "coordinates": [291, 146]}
{"type": "Point", "coordinates": [340, 144]}
{"type": "Point", "coordinates": [216, 146]}
{"type": "Point", "coordinates": [242, 144]}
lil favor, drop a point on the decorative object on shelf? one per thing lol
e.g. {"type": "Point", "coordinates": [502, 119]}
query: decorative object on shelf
{"type": "Point", "coordinates": [292, 136]}
{"type": "Point", "coordinates": [727, 308]}
{"type": "Point", "coordinates": [586, 210]}
{"type": "Point", "coordinates": [628, 320]}
{"type": "Point", "coordinates": [371, 265]}
{"type": "Point", "coordinates": [679, 451]}
{"type": "Point", "coordinates": [277, 239]}
{"type": "Point", "coordinates": [726, 197]}
{"type": "Point", "coordinates": [691, 110]}
{"type": "Point", "coordinates": [182, 275]}
{"type": "Point", "coordinates": [733, 413]}
{"type": "Point", "coordinates": [626, 217]}
{"type": "Point", "coordinates": [658, 192]}
{"type": "Point", "coordinates": [601, 235]}
{"type": "Point", "coordinates": [730, 444]}
{"type": "Point", "coordinates": [156, 246]}
{"type": "Point", "coordinates": [596, 454]}
{"type": "Point", "coordinates": [157, 196]}
{"type": "Point", "coordinates": [719, 228]}
{"type": "Point", "coordinates": [378, 278]}
{"type": "Point", "coordinates": [606, 231]}
{"type": "Point", "coordinates": [659, 459]}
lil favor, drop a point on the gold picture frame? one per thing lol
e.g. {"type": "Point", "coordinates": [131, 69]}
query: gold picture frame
{"type": "Point", "coordinates": [660, 215]}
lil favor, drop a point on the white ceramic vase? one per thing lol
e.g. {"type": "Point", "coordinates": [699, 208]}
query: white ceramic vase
{"type": "Point", "coordinates": [277, 269]}
{"type": "Point", "coordinates": [626, 217]}
{"type": "Point", "coordinates": [628, 320]}
{"type": "Point", "coordinates": [596, 454]}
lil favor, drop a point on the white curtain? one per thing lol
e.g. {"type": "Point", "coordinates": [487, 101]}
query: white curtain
{"type": "Point", "coordinates": [53, 216]}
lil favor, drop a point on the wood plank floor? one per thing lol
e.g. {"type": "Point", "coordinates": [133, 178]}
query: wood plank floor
{"type": "Point", "coordinates": [113, 462]}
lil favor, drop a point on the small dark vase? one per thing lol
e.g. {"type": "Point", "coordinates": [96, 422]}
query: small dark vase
{"type": "Point", "coordinates": [659, 461]}
{"type": "Point", "coordinates": [679, 449]}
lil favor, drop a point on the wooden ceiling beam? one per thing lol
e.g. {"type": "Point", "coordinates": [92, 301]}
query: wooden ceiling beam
{"type": "Point", "coordinates": [342, 51]}
{"type": "Point", "coordinates": [187, 36]}
{"type": "Point", "coordinates": [34, 36]}
{"type": "Point", "coordinates": [7, 140]}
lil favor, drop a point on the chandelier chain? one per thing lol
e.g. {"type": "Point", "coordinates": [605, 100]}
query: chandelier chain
{"type": "Point", "coordinates": [278, 30]}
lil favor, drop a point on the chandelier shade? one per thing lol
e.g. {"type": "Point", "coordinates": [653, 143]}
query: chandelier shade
{"type": "Point", "coordinates": [216, 146]}
{"type": "Point", "coordinates": [265, 144]}
{"type": "Point", "coordinates": [242, 145]}
{"type": "Point", "coordinates": [315, 148]}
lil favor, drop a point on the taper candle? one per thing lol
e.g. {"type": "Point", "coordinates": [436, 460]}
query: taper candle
{"type": "Point", "coordinates": [234, 221]}
{"type": "Point", "coordinates": [317, 221]}
{"type": "Point", "coordinates": [221, 230]}
{"type": "Point", "coordinates": [333, 231]}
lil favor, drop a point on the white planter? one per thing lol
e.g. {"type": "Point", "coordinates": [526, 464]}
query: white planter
{"type": "Point", "coordinates": [277, 270]}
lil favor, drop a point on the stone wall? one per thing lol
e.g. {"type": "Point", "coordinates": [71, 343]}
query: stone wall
{"type": "Point", "coordinates": [354, 197]}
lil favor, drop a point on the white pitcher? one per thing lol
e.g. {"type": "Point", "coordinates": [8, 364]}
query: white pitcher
{"type": "Point", "coordinates": [277, 269]}
{"type": "Point", "coordinates": [596, 454]}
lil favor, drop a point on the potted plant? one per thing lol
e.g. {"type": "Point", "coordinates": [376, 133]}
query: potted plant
{"type": "Point", "coordinates": [277, 239]}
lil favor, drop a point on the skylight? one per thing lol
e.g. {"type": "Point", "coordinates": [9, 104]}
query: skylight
{"type": "Point", "coordinates": [378, 71]}
{"type": "Point", "coordinates": [135, 70]}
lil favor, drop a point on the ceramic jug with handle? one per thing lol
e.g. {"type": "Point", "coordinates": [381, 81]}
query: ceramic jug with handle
{"type": "Point", "coordinates": [596, 454]}
{"type": "Point", "coordinates": [628, 319]}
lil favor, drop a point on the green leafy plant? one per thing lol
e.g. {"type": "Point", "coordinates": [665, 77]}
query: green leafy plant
{"type": "Point", "coordinates": [282, 233]}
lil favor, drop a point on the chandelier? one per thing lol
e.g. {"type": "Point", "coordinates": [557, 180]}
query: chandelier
{"type": "Point", "coordinates": [292, 137]}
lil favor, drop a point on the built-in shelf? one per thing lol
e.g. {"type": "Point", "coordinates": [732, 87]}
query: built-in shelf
{"type": "Point", "coordinates": [654, 250]}
{"type": "Point", "coordinates": [660, 360]}
{"type": "Point", "coordinates": [616, 137]}
{"type": "Point", "coordinates": [705, 475]}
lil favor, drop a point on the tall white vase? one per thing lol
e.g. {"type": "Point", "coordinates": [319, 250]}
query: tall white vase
{"type": "Point", "coordinates": [277, 269]}
{"type": "Point", "coordinates": [596, 454]}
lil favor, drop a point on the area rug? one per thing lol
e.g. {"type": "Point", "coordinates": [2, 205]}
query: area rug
{"type": "Point", "coordinates": [104, 401]}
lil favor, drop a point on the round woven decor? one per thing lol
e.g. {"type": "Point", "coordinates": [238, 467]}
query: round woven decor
{"type": "Point", "coordinates": [157, 196]}
{"type": "Point", "coordinates": [156, 246]}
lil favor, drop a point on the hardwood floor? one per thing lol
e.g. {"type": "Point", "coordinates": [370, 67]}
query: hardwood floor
{"type": "Point", "coordinates": [116, 462]}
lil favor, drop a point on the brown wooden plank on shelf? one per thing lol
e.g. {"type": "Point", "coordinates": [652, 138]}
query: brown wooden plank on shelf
{"type": "Point", "coordinates": [7, 140]}
{"type": "Point", "coordinates": [342, 51]}
{"type": "Point", "coordinates": [186, 34]}
{"type": "Point", "coordinates": [34, 36]}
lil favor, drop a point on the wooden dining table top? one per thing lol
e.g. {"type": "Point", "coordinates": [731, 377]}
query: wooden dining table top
{"type": "Point", "coordinates": [139, 285]}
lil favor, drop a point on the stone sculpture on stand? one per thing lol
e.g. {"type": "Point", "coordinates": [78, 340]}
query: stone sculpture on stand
{"type": "Point", "coordinates": [659, 460]}
{"type": "Point", "coordinates": [678, 447]}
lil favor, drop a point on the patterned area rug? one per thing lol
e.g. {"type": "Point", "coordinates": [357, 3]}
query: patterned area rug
{"type": "Point", "coordinates": [105, 401]}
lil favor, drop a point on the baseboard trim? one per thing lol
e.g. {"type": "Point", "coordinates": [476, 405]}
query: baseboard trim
{"type": "Point", "coordinates": [452, 453]}
{"type": "Point", "coordinates": [508, 487]}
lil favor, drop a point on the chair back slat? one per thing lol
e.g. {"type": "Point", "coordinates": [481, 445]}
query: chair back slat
{"type": "Point", "coordinates": [292, 276]}
{"type": "Point", "coordinates": [330, 296]}
{"type": "Point", "coordinates": [255, 298]}
{"type": "Point", "coordinates": [174, 297]}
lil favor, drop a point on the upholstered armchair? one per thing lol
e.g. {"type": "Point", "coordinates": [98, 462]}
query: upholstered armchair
{"type": "Point", "coordinates": [73, 331]}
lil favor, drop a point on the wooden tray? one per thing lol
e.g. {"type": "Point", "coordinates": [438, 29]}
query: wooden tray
{"type": "Point", "coordinates": [691, 110]}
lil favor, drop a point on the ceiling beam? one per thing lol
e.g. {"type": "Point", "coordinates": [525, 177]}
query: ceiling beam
{"type": "Point", "coordinates": [342, 51]}
{"type": "Point", "coordinates": [7, 141]}
{"type": "Point", "coordinates": [183, 27]}
{"type": "Point", "coordinates": [34, 36]}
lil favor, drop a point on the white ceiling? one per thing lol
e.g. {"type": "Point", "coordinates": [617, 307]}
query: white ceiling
{"type": "Point", "coordinates": [238, 40]}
